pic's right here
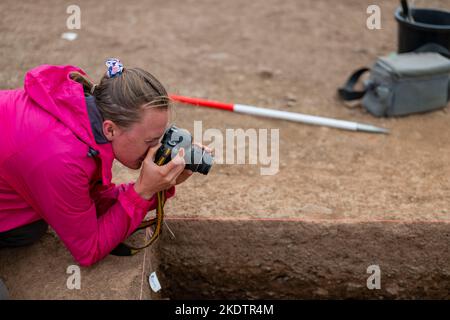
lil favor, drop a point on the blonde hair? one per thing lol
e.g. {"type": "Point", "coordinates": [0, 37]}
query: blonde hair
{"type": "Point", "coordinates": [122, 98]}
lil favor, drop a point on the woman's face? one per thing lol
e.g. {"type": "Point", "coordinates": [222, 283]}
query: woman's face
{"type": "Point", "coordinates": [130, 145]}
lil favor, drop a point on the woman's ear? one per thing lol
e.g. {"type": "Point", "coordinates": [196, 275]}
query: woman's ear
{"type": "Point", "coordinates": [110, 130]}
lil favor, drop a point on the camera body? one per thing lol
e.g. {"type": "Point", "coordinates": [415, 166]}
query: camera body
{"type": "Point", "coordinates": [197, 159]}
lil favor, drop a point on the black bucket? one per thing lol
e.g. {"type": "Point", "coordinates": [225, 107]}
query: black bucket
{"type": "Point", "coordinates": [430, 27]}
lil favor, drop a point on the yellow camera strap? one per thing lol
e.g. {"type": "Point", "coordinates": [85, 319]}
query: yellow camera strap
{"type": "Point", "coordinates": [124, 249]}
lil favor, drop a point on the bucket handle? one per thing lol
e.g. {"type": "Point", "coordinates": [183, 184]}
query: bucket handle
{"type": "Point", "coordinates": [434, 47]}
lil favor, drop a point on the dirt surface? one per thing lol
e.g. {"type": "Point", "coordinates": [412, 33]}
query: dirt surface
{"type": "Point", "coordinates": [261, 54]}
{"type": "Point", "coordinates": [42, 271]}
{"type": "Point", "coordinates": [303, 260]}
{"type": "Point", "coordinates": [290, 55]}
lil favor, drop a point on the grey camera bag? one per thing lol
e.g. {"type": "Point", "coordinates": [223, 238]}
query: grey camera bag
{"type": "Point", "coordinates": [403, 84]}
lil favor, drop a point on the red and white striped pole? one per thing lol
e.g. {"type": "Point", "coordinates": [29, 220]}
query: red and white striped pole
{"type": "Point", "coordinates": [284, 115]}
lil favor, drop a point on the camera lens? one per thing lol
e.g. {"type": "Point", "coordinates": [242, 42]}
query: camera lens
{"type": "Point", "coordinates": [206, 164]}
{"type": "Point", "coordinates": [201, 161]}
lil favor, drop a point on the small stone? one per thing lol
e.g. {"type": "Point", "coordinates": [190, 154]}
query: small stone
{"type": "Point", "coordinates": [271, 294]}
{"type": "Point", "coordinates": [353, 286]}
{"type": "Point", "coordinates": [361, 50]}
{"type": "Point", "coordinates": [290, 97]}
{"type": "Point", "coordinates": [70, 36]}
{"type": "Point", "coordinates": [218, 56]}
{"type": "Point", "coordinates": [265, 73]}
{"type": "Point", "coordinates": [393, 290]}
{"type": "Point", "coordinates": [290, 104]}
{"type": "Point", "coordinates": [321, 292]}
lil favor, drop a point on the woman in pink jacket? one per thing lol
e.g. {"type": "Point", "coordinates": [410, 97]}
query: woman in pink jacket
{"type": "Point", "coordinates": [58, 138]}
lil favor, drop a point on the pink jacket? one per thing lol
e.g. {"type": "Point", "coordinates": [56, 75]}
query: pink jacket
{"type": "Point", "coordinates": [46, 172]}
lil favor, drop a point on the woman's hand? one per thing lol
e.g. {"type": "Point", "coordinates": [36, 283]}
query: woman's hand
{"type": "Point", "coordinates": [154, 178]}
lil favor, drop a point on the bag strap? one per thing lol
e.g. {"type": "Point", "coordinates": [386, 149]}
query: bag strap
{"type": "Point", "coordinates": [347, 92]}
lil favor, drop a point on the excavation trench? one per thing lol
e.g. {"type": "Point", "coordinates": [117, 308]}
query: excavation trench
{"type": "Point", "coordinates": [291, 259]}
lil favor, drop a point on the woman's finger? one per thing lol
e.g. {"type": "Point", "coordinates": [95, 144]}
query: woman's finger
{"type": "Point", "coordinates": [152, 152]}
{"type": "Point", "coordinates": [176, 165]}
{"type": "Point", "coordinates": [208, 149]}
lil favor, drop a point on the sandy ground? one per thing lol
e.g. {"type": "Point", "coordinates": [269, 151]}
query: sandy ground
{"type": "Point", "coordinates": [289, 55]}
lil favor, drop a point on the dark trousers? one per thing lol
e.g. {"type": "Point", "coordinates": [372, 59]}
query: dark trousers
{"type": "Point", "coordinates": [23, 236]}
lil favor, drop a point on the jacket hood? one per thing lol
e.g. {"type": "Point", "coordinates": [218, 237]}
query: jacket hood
{"type": "Point", "coordinates": [52, 89]}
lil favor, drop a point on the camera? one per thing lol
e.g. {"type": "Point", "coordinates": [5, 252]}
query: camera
{"type": "Point", "coordinates": [197, 159]}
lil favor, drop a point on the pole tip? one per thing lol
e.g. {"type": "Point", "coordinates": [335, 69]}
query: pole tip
{"type": "Point", "coordinates": [372, 129]}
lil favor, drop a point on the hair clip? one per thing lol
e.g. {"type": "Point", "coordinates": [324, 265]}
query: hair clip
{"type": "Point", "coordinates": [115, 67]}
